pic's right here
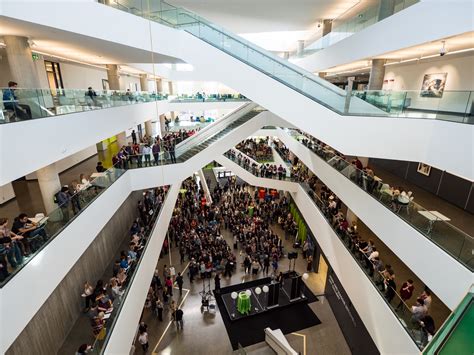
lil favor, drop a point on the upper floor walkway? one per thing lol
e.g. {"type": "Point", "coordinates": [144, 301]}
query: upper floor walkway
{"type": "Point", "coordinates": [283, 88]}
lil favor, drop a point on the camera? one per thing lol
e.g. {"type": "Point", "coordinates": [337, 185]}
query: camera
{"type": "Point", "coordinates": [442, 51]}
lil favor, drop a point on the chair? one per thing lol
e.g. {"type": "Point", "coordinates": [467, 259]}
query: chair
{"type": "Point", "coordinates": [406, 206]}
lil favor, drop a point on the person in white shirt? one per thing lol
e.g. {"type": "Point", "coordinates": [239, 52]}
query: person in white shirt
{"type": "Point", "coordinates": [147, 154]}
{"type": "Point", "coordinates": [143, 340]}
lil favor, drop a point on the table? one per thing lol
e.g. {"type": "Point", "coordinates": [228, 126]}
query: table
{"type": "Point", "coordinates": [243, 303]}
{"type": "Point", "coordinates": [96, 175]}
{"type": "Point", "coordinates": [41, 220]}
{"type": "Point", "coordinates": [433, 216]}
{"type": "Point", "coordinates": [403, 199]}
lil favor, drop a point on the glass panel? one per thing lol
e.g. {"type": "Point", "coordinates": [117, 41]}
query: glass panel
{"type": "Point", "coordinates": [23, 104]}
{"type": "Point", "coordinates": [49, 227]}
{"type": "Point", "coordinates": [446, 236]}
{"type": "Point", "coordinates": [131, 273]}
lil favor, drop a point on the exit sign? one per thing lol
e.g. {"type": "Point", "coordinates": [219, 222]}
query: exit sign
{"type": "Point", "coordinates": [35, 56]}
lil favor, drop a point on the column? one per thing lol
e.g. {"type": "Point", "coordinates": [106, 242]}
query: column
{"type": "Point", "coordinates": [300, 48]}
{"type": "Point", "coordinates": [113, 76]}
{"type": "Point", "coordinates": [386, 9]}
{"type": "Point", "coordinates": [377, 73]}
{"type": "Point", "coordinates": [143, 82]}
{"type": "Point", "coordinates": [149, 128]}
{"type": "Point", "coordinates": [327, 27]}
{"type": "Point", "coordinates": [171, 91]}
{"type": "Point", "coordinates": [159, 85]}
{"type": "Point", "coordinates": [6, 193]}
{"type": "Point", "coordinates": [23, 71]}
{"type": "Point", "coordinates": [20, 62]}
{"type": "Point", "coordinates": [162, 125]}
{"type": "Point", "coordinates": [49, 184]}
{"type": "Point", "coordinates": [121, 139]}
{"type": "Point", "coordinates": [322, 74]}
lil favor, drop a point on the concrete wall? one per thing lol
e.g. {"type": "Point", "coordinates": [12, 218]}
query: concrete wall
{"type": "Point", "coordinates": [49, 327]}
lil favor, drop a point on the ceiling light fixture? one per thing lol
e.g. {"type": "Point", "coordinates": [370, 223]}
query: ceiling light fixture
{"type": "Point", "coordinates": [430, 56]}
{"type": "Point", "coordinates": [70, 60]}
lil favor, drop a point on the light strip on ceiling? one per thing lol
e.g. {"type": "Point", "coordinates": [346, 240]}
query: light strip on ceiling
{"type": "Point", "coordinates": [70, 60]}
{"type": "Point", "coordinates": [431, 56]}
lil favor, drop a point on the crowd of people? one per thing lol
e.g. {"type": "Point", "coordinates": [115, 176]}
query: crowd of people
{"type": "Point", "coordinates": [369, 258]}
{"type": "Point", "coordinates": [150, 150]}
{"type": "Point", "coordinates": [256, 148]}
{"type": "Point", "coordinates": [101, 298]}
{"type": "Point", "coordinates": [362, 175]}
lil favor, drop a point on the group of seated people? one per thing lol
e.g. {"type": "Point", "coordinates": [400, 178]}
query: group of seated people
{"type": "Point", "coordinates": [18, 243]}
{"type": "Point", "coordinates": [369, 257]}
{"type": "Point", "coordinates": [256, 148]}
{"type": "Point", "coordinates": [362, 175]}
{"type": "Point", "coordinates": [99, 299]}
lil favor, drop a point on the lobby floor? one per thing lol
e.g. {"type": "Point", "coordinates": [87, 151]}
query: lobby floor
{"type": "Point", "coordinates": [205, 332]}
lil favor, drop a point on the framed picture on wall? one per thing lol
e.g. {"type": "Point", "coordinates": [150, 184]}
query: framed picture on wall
{"type": "Point", "coordinates": [105, 85]}
{"type": "Point", "coordinates": [424, 169]}
{"type": "Point", "coordinates": [433, 85]}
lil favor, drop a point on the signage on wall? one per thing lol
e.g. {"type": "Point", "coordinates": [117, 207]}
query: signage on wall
{"type": "Point", "coordinates": [35, 56]}
{"type": "Point", "coordinates": [339, 297]}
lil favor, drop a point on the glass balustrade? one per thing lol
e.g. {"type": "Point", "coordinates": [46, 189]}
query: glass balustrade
{"type": "Point", "coordinates": [100, 344]}
{"type": "Point", "coordinates": [401, 310]}
{"type": "Point", "coordinates": [50, 226]}
{"type": "Point", "coordinates": [285, 72]}
{"type": "Point", "coordinates": [25, 104]}
{"type": "Point", "coordinates": [357, 18]}
{"type": "Point", "coordinates": [451, 239]}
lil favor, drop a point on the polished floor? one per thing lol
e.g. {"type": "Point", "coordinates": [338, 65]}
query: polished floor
{"type": "Point", "coordinates": [205, 333]}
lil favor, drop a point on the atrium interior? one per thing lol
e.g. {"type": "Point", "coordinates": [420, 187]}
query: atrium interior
{"type": "Point", "coordinates": [210, 177]}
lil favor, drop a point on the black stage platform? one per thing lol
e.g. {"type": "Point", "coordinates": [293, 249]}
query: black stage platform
{"type": "Point", "coordinates": [289, 315]}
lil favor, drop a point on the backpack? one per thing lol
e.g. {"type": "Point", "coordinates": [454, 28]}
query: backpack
{"type": "Point", "coordinates": [55, 197]}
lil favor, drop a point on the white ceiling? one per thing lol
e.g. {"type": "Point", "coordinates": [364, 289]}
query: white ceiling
{"type": "Point", "coordinates": [275, 25]}
{"type": "Point", "coordinates": [252, 16]}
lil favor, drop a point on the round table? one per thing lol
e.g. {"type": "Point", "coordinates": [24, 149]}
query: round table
{"type": "Point", "coordinates": [243, 303]}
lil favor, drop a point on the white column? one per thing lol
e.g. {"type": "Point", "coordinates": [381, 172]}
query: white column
{"type": "Point", "coordinates": [300, 48]}
{"type": "Point", "coordinates": [162, 125]}
{"type": "Point", "coordinates": [49, 184]}
{"type": "Point", "coordinates": [121, 139]}
{"type": "Point", "coordinates": [149, 128]}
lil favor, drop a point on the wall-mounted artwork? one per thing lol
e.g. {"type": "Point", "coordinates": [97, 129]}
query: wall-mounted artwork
{"type": "Point", "coordinates": [424, 169]}
{"type": "Point", "coordinates": [105, 85]}
{"type": "Point", "coordinates": [433, 85]}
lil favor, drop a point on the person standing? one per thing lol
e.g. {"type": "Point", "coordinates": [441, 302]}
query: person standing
{"type": "Point", "coordinates": [217, 283]}
{"type": "Point", "coordinates": [406, 291]}
{"type": "Point", "coordinates": [143, 340]}
{"type": "Point", "coordinates": [179, 281]}
{"type": "Point", "coordinates": [156, 152]}
{"type": "Point", "coordinates": [179, 319]}
{"type": "Point", "coordinates": [159, 309]}
{"type": "Point", "coordinates": [391, 286]}
{"type": "Point", "coordinates": [309, 263]}
{"type": "Point", "coordinates": [147, 150]}
{"type": "Point", "coordinates": [266, 264]}
{"type": "Point", "coordinates": [134, 137]}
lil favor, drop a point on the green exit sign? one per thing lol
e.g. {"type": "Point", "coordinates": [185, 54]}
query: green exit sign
{"type": "Point", "coordinates": [35, 56]}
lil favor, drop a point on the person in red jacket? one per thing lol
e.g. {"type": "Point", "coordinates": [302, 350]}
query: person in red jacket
{"type": "Point", "coordinates": [406, 291]}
